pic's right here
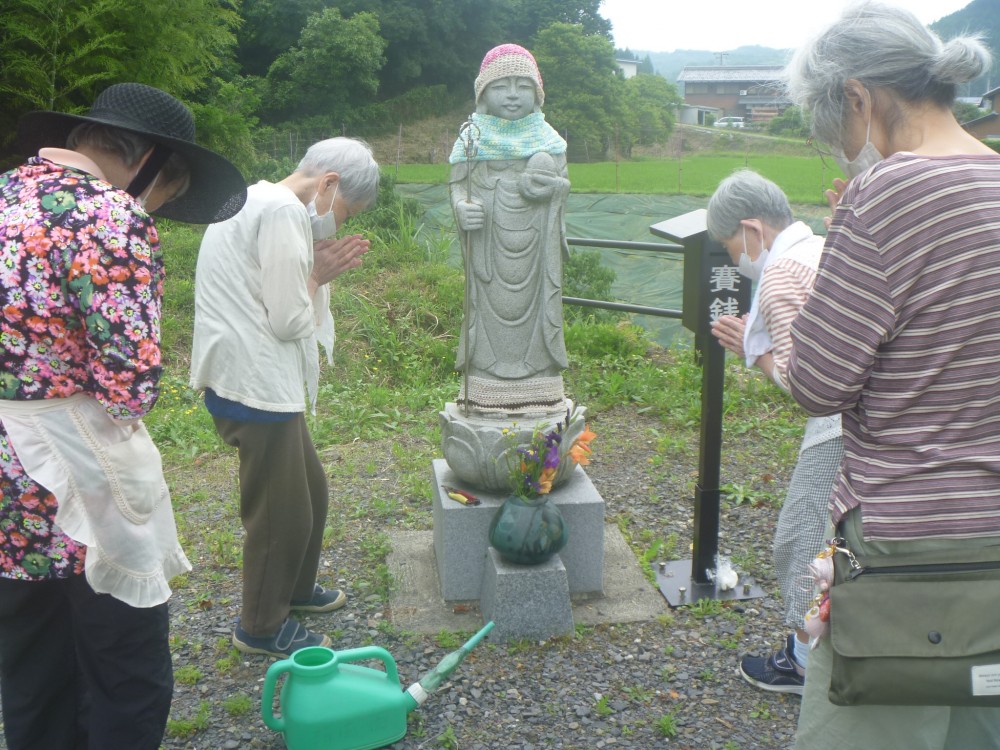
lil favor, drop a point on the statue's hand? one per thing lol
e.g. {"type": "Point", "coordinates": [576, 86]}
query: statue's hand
{"type": "Point", "coordinates": [538, 185]}
{"type": "Point", "coordinates": [470, 215]}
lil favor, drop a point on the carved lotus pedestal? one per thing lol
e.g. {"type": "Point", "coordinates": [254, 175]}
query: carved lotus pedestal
{"type": "Point", "coordinates": [477, 449]}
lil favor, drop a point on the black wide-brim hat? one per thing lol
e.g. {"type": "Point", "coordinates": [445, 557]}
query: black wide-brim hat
{"type": "Point", "coordinates": [217, 190]}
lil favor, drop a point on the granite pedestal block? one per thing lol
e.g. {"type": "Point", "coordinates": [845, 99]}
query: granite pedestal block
{"type": "Point", "coordinates": [461, 534]}
{"type": "Point", "coordinates": [526, 601]}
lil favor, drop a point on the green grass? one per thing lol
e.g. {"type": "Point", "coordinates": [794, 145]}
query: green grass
{"type": "Point", "coordinates": [803, 178]}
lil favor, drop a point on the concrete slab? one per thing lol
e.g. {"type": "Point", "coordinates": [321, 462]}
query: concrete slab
{"type": "Point", "coordinates": [417, 605]}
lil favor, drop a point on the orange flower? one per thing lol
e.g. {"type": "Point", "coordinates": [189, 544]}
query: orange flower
{"type": "Point", "coordinates": [545, 481]}
{"type": "Point", "coordinates": [580, 452]}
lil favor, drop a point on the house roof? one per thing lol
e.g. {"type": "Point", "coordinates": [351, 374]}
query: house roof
{"type": "Point", "coordinates": [991, 94]}
{"type": "Point", "coordinates": [731, 73]}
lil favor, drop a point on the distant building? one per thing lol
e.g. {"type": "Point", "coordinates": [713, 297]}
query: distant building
{"type": "Point", "coordinates": [754, 92]}
{"type": "Point", "coordinates": [629, 68]}
{"type": "Point", "coordinates": [987, 126]}
{"type": "Point", "coordinates": [688, 114]}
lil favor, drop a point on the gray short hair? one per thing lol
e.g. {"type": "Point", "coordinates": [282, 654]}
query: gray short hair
{"type": "Point", "coordinates": [130, 148]}
{"type": "Point", "coordinates": [881, 46]}
{"type": "Point", "coordinates": [352, 159]}
{"type": "Point", "coordinates": [746, 195]}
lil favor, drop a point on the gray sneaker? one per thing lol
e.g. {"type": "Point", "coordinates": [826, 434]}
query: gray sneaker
{"type": "Point", "coordinates": [291, 636]}
{"type": "Point", "coordinates": [775, 673]}
{"type": "Point", "coordinates": [323, 600]}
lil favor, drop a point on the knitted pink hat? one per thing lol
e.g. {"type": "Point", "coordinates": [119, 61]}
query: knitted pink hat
{"type": "Point", "coordinates": [509, 60]}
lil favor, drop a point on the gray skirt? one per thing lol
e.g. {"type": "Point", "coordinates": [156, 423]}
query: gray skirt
{"type": "Point", "coordinates": [802, 525]}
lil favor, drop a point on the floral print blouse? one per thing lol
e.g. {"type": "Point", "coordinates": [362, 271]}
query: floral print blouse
{"type": "Point", "coordinates": [80, 285]}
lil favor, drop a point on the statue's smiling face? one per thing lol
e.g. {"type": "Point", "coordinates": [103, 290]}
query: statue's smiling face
{"type": "Point", "coordinates": [510, 98]}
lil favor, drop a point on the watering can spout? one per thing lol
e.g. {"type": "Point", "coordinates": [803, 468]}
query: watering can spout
{"type": "Point", "coordinates": [417, 692]}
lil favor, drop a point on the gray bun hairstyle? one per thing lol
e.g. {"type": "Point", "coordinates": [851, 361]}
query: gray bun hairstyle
{"type": "Point", "coordinates": [882, 46]}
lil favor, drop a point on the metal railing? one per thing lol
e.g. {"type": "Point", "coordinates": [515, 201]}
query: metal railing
{"type": "Point", "coordinates": [656, 247]}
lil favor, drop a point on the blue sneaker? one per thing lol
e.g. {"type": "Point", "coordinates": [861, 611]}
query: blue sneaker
{"type": "Point", "coordinates": [323, 600]}
{"type": "Point", "coordinates": [291, 636]}
{"type": "Point", "coordinates": [775, 673]}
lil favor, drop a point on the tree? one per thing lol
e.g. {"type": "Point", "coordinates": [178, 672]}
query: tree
{"type": "Point", "coordinates": [650, 102]}
{"type": "Point", "coordinates": [525, 19]}
{"type": "Point", "coordinates": [54, 56]}
{"type": "Point", "coordinates": [792, 123]}
{"type": "Point", "coordinates": [583, 93]}
{"type": "Point", "coordinates": [177, 45]}
{"type": "Point", "coordinates": [269, 28]}
{"type": "Point", "coordinates": [58, 54]}
{"type": "Point", "coordinates": [333, 68]}
{"type": "Point", "coordinates": [964, 112]}
{"type": "Point", "coordinates": [431, 42]}
{"type": "Point", "coordinates": [226, 122]}
{"type": "Point", "coordinates": [980, 17]}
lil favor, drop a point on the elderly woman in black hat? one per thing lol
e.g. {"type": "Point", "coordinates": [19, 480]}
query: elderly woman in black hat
{"type": "Point", "coordinates": [87, 537]}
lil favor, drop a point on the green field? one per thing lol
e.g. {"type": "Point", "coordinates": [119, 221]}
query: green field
{"type": "Point", "coordinates": [802, 178]}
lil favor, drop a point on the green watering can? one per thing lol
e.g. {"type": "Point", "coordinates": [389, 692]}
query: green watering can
{"type": "Point", "coordinates": [330, 703]}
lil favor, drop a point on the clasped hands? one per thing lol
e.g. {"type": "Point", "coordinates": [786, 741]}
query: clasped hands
{"type": "Point", "coordinates": [334, 256]}
{"type": "Point", "coordinates": [728, 329]}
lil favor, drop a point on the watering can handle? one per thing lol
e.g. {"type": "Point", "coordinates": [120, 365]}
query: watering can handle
{"type": "Point", "coordinates": [371, 652]}
{"type": "Point", "coordinates": [276, 723]}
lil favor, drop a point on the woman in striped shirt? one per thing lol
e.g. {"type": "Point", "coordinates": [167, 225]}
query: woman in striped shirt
{"type": "Point", "coordinates": [901, 335]}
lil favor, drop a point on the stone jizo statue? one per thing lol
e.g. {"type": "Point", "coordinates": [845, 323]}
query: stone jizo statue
{"type": "Point", "coordinates": [508, 189]}
{"type": "Point", "coordinates": [509, 194]}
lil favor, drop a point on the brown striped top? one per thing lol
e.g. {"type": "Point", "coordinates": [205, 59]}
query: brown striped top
{"type": "Point", "coordinates": [902, 335]}
{"type": "Point", "coordinates": [783, 291]}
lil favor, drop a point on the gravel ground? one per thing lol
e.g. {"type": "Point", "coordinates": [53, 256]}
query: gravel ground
{"type": "Point", "coordinates": [669, 683]}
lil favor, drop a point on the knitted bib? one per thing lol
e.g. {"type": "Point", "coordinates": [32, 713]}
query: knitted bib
{"type": "Point", "coordinates": [495, 138]}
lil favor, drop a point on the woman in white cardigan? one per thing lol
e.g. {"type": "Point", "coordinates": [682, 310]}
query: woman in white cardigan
{"type": "Point", "coordinates": [262, 305]}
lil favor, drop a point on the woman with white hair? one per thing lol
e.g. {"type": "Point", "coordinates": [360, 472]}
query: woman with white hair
{"type": "Point", "coordinates": [751, 217]}
{"type": "Point", "coordinates": [901, 336]}
{"type": "Point", "coordinates": [262, 304]}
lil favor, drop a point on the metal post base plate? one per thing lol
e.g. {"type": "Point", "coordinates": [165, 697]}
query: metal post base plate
{"type": "Point", "coordinates": [679, 589]}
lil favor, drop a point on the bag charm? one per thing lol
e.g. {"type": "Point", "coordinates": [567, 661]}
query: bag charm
{"type": "Point", "coordinates": [817, 620]}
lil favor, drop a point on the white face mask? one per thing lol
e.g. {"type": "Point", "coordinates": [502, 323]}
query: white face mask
{"type": "Point", "coordinates": [141, 200]}
{"type": "Point", "coordinates": [752, 269]}
{"type": "Point", "coordinates": [324, 226]}
{"type": "Point", "coordinates": [867, 157]}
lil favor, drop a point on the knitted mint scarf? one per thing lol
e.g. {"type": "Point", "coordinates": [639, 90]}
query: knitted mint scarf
{"type": "Point", "coordinates": [498, 138]}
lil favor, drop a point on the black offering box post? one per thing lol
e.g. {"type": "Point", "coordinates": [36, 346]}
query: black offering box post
{"type": "Point", "coordinates": [712, 287]}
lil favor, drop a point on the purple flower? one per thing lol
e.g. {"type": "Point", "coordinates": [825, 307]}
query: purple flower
{"type": "Point", "coordinates": [552, 456]}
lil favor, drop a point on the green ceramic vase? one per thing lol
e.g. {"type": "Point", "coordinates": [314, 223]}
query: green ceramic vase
{"type": "Point", "coordinates": [528, 531]}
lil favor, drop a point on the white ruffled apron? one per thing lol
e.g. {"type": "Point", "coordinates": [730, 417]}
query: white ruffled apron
{"type": "Point", "coordinates": [108, 479]}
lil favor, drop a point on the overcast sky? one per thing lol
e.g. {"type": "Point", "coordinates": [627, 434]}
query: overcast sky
{"type": "Point", "coordinates": [720, 25]}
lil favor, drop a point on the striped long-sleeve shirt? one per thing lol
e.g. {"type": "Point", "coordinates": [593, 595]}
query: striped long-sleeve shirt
{"type": "Point", "coordinates": [783, 290]}
{"type": "Point", "coordinates": [902, 335]}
